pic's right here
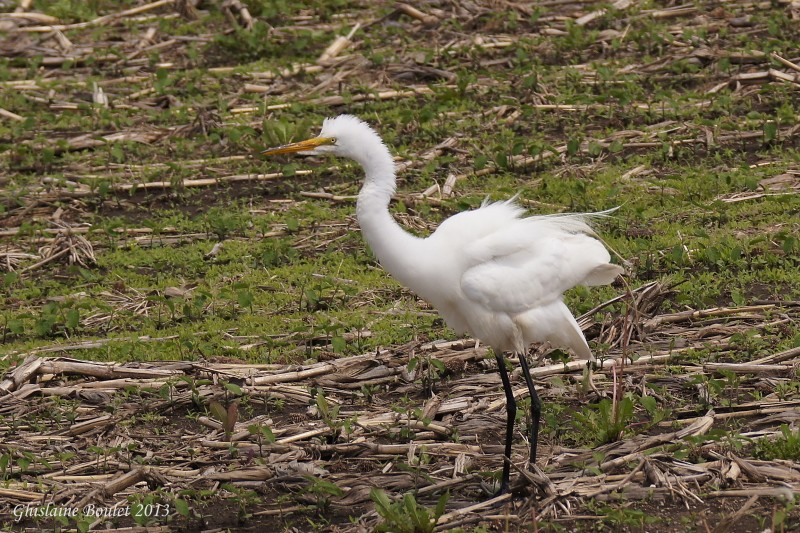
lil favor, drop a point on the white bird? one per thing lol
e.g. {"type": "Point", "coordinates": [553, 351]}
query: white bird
{"type": "Point", "coordinates": [491, 272]}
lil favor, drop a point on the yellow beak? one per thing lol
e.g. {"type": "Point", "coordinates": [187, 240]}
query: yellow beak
{"type": "Point", "coordinates": [301, 146]}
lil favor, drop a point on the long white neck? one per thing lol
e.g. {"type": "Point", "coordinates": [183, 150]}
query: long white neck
{"type": "Point", "coordinates": [390, 243]}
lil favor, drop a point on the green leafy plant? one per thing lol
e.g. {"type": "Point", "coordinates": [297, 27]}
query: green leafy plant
{"type": "Point", "coordinates": [606, 420]}
{"type": "Point", "coordinates": [6, 466]}
{"type": "Point", "coordinates": [105, 453]}
{"type": "Point", "coordinates": [785, 446]}
{"type": "Point", "coordinates": [263, 435]}
{"type": "Point", "coordinates": [322, 491]}
{"type": "Point", "coordinates": [623, 517]}
{"type": "Point", "coordinates": [428, 369]}
{"type": "Point", "coordinates": [222, 222]}
{"type": "Point", "coordinates": [228, 416]}
{"type": "Point", "coordinates": [149, 508]}
{"type": "Point", "coordinates": [330, 416]}
{"type": "Point", "coordinates": [657, 413]}
{"type": "Point", "coordinates": [406, 515]}
{"type": "Point", "coordinates": [787, 389]}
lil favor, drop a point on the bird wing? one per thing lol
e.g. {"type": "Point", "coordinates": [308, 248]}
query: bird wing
{"type": "Point", "coordinates": [532, 261]}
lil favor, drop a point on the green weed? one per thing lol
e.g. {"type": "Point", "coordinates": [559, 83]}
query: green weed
{"type": "Point", "coordinates": [406, 515]}
{"type": "Point", "coordinates": [785, 446]}
{"type": "Point", "coordinates": [605, 421]}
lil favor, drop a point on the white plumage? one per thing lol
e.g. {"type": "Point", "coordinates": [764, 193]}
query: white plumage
{"type": "Point", "coordinates": [490, 272]}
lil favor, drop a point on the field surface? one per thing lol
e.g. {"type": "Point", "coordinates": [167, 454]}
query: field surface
{"type": "Point", "coordinates": [194, 338]}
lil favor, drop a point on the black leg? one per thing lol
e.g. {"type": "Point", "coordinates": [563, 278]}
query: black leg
{"type": "Point", "coordinates": [536, 408]}
{"type": "Point", "coordinates": [511, 414]}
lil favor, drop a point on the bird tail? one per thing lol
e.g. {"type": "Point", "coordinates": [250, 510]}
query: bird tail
{"type": "Point", "coordinates": [555, 324]}
{"type": "Point", "coordinates": [571, 335]}
{"type": "Point", "coordinates": [604, 274]}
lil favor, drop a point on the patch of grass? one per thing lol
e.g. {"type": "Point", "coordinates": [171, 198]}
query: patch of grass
{"type": "Point", "coordinates": [784, 446]}
{"type": "Point", "coordinates": [259, 43]}
{"type": "Point", "coordinates": [406, 515]}
{"type": "Point", "coordinates": [614, 518]}
{"type": "Point", "coordinates": [605, 421]}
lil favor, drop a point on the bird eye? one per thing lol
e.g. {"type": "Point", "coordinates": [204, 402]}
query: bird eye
{"type": "Point", "coordinates": [334, 140]}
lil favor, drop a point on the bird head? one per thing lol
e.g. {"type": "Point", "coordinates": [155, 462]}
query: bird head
{"type": "Point", "coordinates": [345, 136]}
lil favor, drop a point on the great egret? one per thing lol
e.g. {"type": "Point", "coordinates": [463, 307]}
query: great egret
{"type": "Point", "coordinates": [490, 272]}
